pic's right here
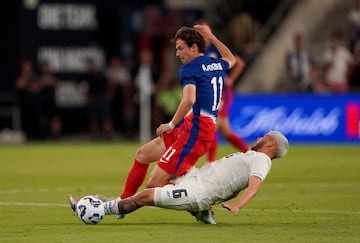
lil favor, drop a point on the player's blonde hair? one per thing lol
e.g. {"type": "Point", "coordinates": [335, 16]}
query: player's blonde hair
{"type": "Point", "coordinates": [282, 143]}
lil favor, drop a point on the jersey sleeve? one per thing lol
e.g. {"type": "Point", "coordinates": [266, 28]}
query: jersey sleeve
{"type": "Point", "coordinates": [225, 64]}
{"type": "Point", "coordinates": [260, 166]}
{"type": "Point", "coordinates": [214, 53]}
{"type": "Point", "coordinates": [186, 75]}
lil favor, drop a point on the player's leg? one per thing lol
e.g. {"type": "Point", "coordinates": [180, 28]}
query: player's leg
{"type": "Point", "coordinates": [177, 159]}
{"type": "Point", "coordinates": [148, 153]}
{"type": "Point", "coordinates": [211, 155]}
{"type": "Point", "coordinates": [158, 177]}
{"type": "Point", "coordinates": [225, 130]}
{"type": "Point", "coordinates": [130, 204]}
{"type": "Point", "coordinates": [184, 196]}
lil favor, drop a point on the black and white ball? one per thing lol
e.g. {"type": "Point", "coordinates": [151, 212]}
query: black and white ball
{"type": "Point", "coordinates": [90, 210]}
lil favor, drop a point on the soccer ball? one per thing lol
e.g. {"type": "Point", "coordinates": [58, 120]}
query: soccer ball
{"type": "Point", "coordinates": [90, 210]}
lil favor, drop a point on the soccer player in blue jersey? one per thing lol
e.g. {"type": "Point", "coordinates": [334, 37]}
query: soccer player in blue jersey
{"type": "Point", "coordinates": [189, 134]}
{"type": "Point", "coordinates": [223, 123]}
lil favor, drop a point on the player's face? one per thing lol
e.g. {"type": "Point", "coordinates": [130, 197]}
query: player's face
{"type": "Point", "coordinates": [261, 142]}
{"type": "Point", "coordinates": [183, 52]}
{"type": "Point", "coordinates": [258, 144]}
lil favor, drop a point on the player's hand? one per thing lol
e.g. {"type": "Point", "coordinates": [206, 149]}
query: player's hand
{"type": "Point", "coordinates": [162, 128]}
{"type": "Point", "coordinates": [204, 30]}
{"type": "Point", "coordinates": [231, 207]}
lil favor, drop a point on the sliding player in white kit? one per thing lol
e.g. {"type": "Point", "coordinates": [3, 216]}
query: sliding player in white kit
{"type": "Point", "coordinates": [211, 184]}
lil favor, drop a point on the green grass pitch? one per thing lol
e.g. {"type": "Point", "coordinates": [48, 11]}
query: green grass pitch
{"type": "Point", "coordinates": [312, 195]}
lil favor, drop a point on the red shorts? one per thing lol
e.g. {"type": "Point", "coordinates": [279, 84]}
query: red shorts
{"type": "Point", "coordinates": [226, 102]}
{"type": "Point", "coordinates": [181, 153]}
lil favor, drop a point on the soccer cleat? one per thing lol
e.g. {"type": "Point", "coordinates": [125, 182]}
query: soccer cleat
{"type": "Point", "coordinates": [205, 216]}
{"type": "Point", "coordinates": [120, 216]}
{"type": "Point", "coordinates": [72, 202]}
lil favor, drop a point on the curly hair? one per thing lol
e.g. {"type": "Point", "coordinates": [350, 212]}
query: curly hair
{"type": "Point", "coordinates": [190, 36]}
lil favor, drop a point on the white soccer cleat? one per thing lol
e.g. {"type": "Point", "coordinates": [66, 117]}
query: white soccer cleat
{"type": "Point", "coordinates": [205, 216]}
{"type": "Point", "coordinates": [120, 216]}
{"type": "Point", "coordinates": [72, 202]}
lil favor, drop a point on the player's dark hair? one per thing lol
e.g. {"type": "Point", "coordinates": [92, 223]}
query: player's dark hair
{"type": "Point", "coordinates": [190, 36]}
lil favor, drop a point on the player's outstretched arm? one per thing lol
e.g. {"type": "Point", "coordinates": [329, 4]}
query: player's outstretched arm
{"type": "Point", "coordinates": [225, 53]}
{"type": "Point", "coordinates": [235, 71]}
{"type": "Point", "coordinates": [248, 194]}
{"type": "Point", "coordinates": [185, 105]}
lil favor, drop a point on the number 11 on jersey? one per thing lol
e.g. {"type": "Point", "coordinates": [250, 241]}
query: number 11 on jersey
{"type": "Point", "coordinates": [218, 84]}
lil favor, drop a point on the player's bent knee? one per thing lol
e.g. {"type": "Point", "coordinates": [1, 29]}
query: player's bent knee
{"type": "Point", "coordinates": [143, 155]}
{"type": "Point", "coordinates": [139, 153]}
{"type": "Point", "coordinates": [150, 151]}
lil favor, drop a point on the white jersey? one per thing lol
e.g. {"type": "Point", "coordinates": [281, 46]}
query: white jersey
{"type": "Point", "coordinates": [214, 182]}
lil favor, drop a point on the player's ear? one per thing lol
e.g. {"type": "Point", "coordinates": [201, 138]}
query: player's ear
{"type": "Point", "coordinates": [194, 47]}
{"type": "Point", "coordinates": [272, 148]}
{"type": "Point", "coordinates": [271, 144]}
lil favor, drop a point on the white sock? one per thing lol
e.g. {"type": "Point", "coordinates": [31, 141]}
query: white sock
{"type": "Point", "coordinates": [111, 206]}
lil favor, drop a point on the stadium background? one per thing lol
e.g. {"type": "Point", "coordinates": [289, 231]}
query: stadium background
{"type": "Point", "coordinates": [59, 31]}
{"type": "Point", "coordinates": [311, 195]}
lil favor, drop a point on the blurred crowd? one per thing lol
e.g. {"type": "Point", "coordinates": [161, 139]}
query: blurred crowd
{"type": "Point", "coordinates": [36, 99]}
{"type": "Point", "coordinates": [114, 92]}
{"type": "Point", "coordinates": [112, 97]}
{"type": "Point", "coordinates": [337, 69]}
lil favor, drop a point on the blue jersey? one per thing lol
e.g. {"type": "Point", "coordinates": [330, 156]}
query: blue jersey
{"type": "Point", "coordinates": [207, 74]}
{"type": "Point", "coordinates": [211, 51]}
{"type": "Point", "coordinates": [227, 96]}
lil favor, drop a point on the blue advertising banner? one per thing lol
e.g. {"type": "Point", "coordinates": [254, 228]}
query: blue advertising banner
{"type": "Point", "coordinates": [303, 118]}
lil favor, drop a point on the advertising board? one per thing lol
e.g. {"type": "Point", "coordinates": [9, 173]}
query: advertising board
{"type": "Point", "coordinates": [307, 118]}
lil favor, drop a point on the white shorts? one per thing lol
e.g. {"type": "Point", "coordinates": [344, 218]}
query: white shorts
{"type": "Point", "coordinates": [186, 194]}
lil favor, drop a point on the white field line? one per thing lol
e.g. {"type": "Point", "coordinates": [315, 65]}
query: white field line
{"type": "Point", "coordinates": [38, 204]}
{"type": "Point", "coordinates": [33, 204]}
{"type": "Point", "coordinates": [60, 189]}
{"type": "Point", "coordinates": [309, 211]}
{"type": "Point", "coordinates": [102, 188]}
